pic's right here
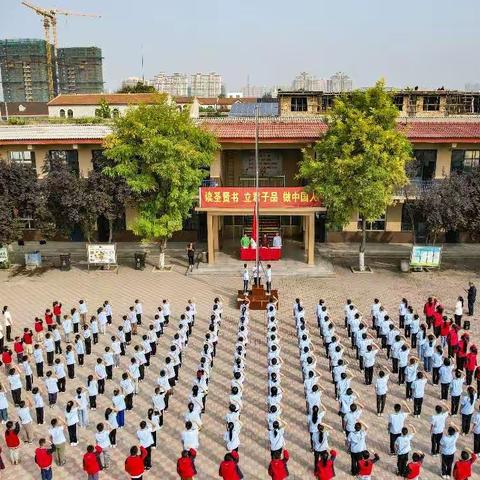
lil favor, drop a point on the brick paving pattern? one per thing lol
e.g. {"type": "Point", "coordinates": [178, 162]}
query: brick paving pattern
{"type": "Point", "coordinates": [28, 296]}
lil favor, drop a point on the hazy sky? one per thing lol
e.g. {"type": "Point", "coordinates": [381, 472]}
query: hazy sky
{"type": "Point", "coordinates": [413, 42]}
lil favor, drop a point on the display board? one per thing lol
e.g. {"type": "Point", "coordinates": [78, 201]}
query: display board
{"type": "Point", "coordinates": [269, 163]}
{"type": "Point", "coordinates": [102, 254]}
{"type": "Point", "coordinates": [425, 256]}
{"type": "Point", "coordinates": [33, 259]}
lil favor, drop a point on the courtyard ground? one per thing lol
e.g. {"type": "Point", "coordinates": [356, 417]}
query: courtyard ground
{"type": "Point", "coordinates": [29, 295]}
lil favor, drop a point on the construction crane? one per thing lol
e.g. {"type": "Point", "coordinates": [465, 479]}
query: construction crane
{"type": "Point", "coordinates": [50, 29]}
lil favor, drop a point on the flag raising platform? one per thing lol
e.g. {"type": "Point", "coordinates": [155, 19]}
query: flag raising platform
{"type": "Point", "coordinates": [258, 296]}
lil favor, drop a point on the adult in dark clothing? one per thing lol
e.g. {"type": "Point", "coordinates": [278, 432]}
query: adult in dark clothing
{"type": "Point", "coordinates": [471, 297]}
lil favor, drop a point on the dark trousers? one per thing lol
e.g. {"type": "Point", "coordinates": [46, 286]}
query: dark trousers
{"type": "Point", "coordinates": [28, 382]}
{"type": "Point", "coordinates": [455, 405]}
{"type": "Point", "coordinates": [414, 340]}
{"type": "Point", "coordinates": [393, 438]}
{"type": "Point", "coordinates": [401, 375]}
{"type": "Point", "coordinates": [75, 328]}
{"type": "Point", "coordinates": [444, 387]}
{"type": "Point", "coordinates": [40, 415]}
{"type": "Point", "coordinates": [458, 320]}
{"type": "Point", "coordinates": [476, 443]}
{"type": "Point", "coordinates": [50, 356]}
{"type": "Point", "coordinates": [417, 406]}
{"type": "Point", "coordinates": [113, 436]}
{"type": "Point", "coordinates": [81, 358]}
{"type": "Point", "coordinates": [58, 347]}
{"type": "Point", "coordinates": [471, 308]}
{"type": "Point", "coordinates": [148, 458]}
{"type": "Point", "coordinates": [72, 433]}
{"type": "Point", "coordinates": [17, 396]}
{"type": "Point", "coordinates": [71, 371]}
{"type": "Point", "coordinates": [401, 321]}
{"type": "Point", "coordinates": [88, 346]}
{"type": "Point", "coordinates": [436, 437]}
{"type": "Point", "coordinates": [129, 401]}
{"type": "Point", "coordinates": [101, 386]}
{"type": "Point", "coordinates": [408, 389]}
{"type": "Point", "coordinates": [402, 461]}
{"type": "Point", "coordinates": [245, 285]}
{"type": "Point", "coordinates": [394, 365]}
{"type": "Point", "coordinates": [109, 369]}
{"type": "Point", "coordinates": [61, 382]}
{"type": "Point", "coordinates": [46, 473]}
{"type": "Point", "coordinates": [8, 329]}
{"type": "Point", "coordinates": [355, 457]}
{"type": "Point", "coordinates": [368, 375]}
{"type": "Point", "coordinates": [466, 421]}
{"type": "Point", "coordinates": [447, 461]}
{"type": "Point", "coordinates": [435, 375]}
{"type": "Point", "coordinates": [269, 286]}
{"type": "Point", "coordinates": [381, 403]}
{"type": "Point", "coordinates": [92, 401]}
{"type": "Point", "coordinates": [39, 367]}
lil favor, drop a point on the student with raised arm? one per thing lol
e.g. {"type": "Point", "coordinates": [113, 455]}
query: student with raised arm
{"type": "Point", "coordinates": [448, 447]}
{"type": "Point", "coordinates": [402, 449]}
{"type": "Point", "coordinates": [437, 426]}
{"type": "Point", "coordinates": [356, 442]}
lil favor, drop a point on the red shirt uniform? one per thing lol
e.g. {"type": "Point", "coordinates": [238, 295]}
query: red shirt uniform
{"type": "Point", "coordinates": [437, 319]}
{"type": "Point", "coordinates": [365, 467]}
{"type": "Point", "coordinates": [413, 469]}
{"type": "Point", "coordinates": [452, 337]}
{"type": "Point", "coordinates": [43, 458]}
{"type": "Point", "coordinates": [429, 309]}
{"type": "Point", "coordinates": [186, 466]}
{"type": "Point", "coordinates": [38, 326]}
{"type": "Point", "coordinates": [49, 318]}
{"type": "Point", "coordinates": [57, 310]}
{"type": "Point", "coordinates": [278, 467]}
{"type": "Point", "coordinates": [228, 470]}
{"type": "Point", "coordinates": [11, 437]}
{"type": "Point", "coordinates": [91, 464]}
{"type": "Point", "coordinates": [326, 471]}
{"type": "Point", "coordinates": [18, 347]}
{"type": "Point", "coordinates": [445, 329]}
{"type": "Point", "coordinates": [27, 338]}
{"type": "Point", "coordinates": [6, 357]}
{"type": "Point", "coordinates": [463, 468]}
{"type": "Point", "coordinates": [461, 348]}
{"type": "Point", "coordinates": [134, 465]}
{"type": "Point", "coordinates": [471, 361]}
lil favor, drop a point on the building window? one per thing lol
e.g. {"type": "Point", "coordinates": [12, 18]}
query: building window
{"type": "Point", "coordinates": [25, 158]}
{"type": "Point", "coordinates": [67, 157]}
{"type": "Point", "coordinates": [426, 163]}
{"type": "Point", "coordinates": [70, 113]}
{"type": "Point", "coordinates": [431, 103]}
{"type": "Point", "coordinates": [115, 113]}
{"type": "Point", "coordinates": [464, 160]}
{"type": "Point", "coordinates": [398, 102]}
{"type": "Point", "coordinates": [62, 113]}
{"type": "Point", "coordinates": [377, 225]}
{"type": "Point", "coordinates": [327, 102]}
{"type": "Point", "coordinates": [298, 104]}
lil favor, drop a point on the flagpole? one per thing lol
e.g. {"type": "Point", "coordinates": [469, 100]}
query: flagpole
{"type": "Point", "coordinates": [257, 196]}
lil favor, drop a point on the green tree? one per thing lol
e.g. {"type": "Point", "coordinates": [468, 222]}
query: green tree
{"type": "Point", "coordinates": [140, 87]}
{"type": "Point", "coordinates": [103, 110]}
{"type": "Point", "coordinates": [360, 162]}
{"type": "Point", "coordinates": [161, 154]}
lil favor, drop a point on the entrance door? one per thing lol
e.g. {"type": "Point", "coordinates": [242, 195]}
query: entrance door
{"type": "Point", "coordinates": [320, 227]}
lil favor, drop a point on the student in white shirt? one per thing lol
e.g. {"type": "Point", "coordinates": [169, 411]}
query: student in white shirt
{"type": "Point", "coordinates": [58, 440]}
{"type": "Point", "coordinates": [190, 437]}
{"type": "Point", "coordinates": [403, 448]}
{"type": "Point", "coordinates": [82, 406]}
{"type": "Point", "coordinates": [437, 426]}
{"type": "Point", "coordinates": [145, 439]}
{"type": "Point", "coordinates": [232, 436]}
{"type": "Point", "coordinates": [357, 444]}
{"type": "Point", "coordinates": [448, 447]}
{"type": "Point", "coordinates": [39, 405]}
{"type": "Point", "coordinates": [72, 420]}
{"type": "Point", "coordinates": [138, 311]}
{"type": "Point", "coordinates": [276, 437]}
{"type": "Point", "coordinates": [102, 439]}
{"type": "Point", "coordinates": [396, 421]}
{"type": "Point", "coordinates": [26, 421]}
{"type": "Point", "coordinates": [467, 407]}
{"type": "Point", "coordinates": [418, 391]}
{"type": "Point", "coordinates": [82, 310]}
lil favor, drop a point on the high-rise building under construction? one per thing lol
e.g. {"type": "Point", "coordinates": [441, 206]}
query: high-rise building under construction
{"type": "Point", "coordinates": [23, 64]}
{"type": "Point", "coordinates": [80, 70]}
{"type": "Point", "coordinates": [24, 69]}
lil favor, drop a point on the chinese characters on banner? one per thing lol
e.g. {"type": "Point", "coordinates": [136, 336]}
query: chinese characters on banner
{"type": "Point", "coordinates": [244, 197]}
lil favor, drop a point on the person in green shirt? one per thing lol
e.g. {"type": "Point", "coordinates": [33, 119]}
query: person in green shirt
{"type": "Point", "coordinates": [245, 241]}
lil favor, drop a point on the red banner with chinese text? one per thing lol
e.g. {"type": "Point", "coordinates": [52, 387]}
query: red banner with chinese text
{"type": "Point", "coordinates": [244, 197]}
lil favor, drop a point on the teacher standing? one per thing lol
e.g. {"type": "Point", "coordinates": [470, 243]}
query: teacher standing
{"type": "Point", "coordinates": [191, 256]}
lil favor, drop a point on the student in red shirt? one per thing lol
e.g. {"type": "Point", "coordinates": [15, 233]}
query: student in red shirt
{"type": "Point", "coordinates": [325, 467]}
{"type": "Point", "coordinates": [7, 358]}
{"type": "Point", "coordinates": [429, 310]}
{"type": "Point", "coordinates": [91, 462]}
{"type": "Point", "coordinates": [415, 466]}
{"type": "Point", "coordinates": [43, 459]}
{"type": "Point", "coordinates": [12, 441]}
{"type": "Point", "coordinates": [452, 340]}
{"type": "Point", "coordinates": [49, 319]}
{"type": "Point", "coordinates": [463, 467]}
{"type": "Point", "coordinates": [186, 464]}
{"type": "Point", "coordinates": [437, 320]}
{"type": "Point", "coordinates": [278, 465]}
{"type": "Point", "coordinates": [134, 463]}
{"type": "Point", "coordinates": [445, 330]}
{"type": "Point", "coordinates": [18, 348]}
{"type": "Point", "coordinates": [471, 363]}
{"type": "Point", "coordinates": [57, 311]}
{"type": "Point", "coordinates": [229, 469]}
{"type": "Point", "coordinates": [461, 351]}
{"type": "Point", "coordinates": [365, 464]}
{"type": "Point", "coordinates": [27, 341]}
{"type": "Point", "coordinates": [38, 327]}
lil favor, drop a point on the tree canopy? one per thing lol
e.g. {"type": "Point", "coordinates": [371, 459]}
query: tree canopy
{"type": "Point", "coordinates": [360, 162]}
{"type": "Point", "coordinates": [162, 155]}
{"type": "Point", "coordinates": [140, 87]}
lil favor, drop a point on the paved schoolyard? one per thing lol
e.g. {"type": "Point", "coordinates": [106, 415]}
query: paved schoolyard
{"type": "Point", "coordinates": [28, 296]}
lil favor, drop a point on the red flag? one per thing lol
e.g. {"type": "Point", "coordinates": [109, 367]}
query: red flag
{"type": "Point", "coordinates": [254, 225]}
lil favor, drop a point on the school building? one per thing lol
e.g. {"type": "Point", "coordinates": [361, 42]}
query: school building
{"type": "Point", "coordinates": [442, 144]}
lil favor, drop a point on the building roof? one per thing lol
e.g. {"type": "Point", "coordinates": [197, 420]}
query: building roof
{"type": "Point", "coordinates": [24, 109]}
{"type": "Point", "coordinates": [111, 98]}
{"type": "Point", "coordinates": [43, 133]}
{"type": "Point", "coordinates": [242, 130]}
{"type": "Point", "coordinates": [224, 101]}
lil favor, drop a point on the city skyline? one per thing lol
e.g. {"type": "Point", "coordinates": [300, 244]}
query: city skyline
{"type": "Point", "coordinates": [382, 41]}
